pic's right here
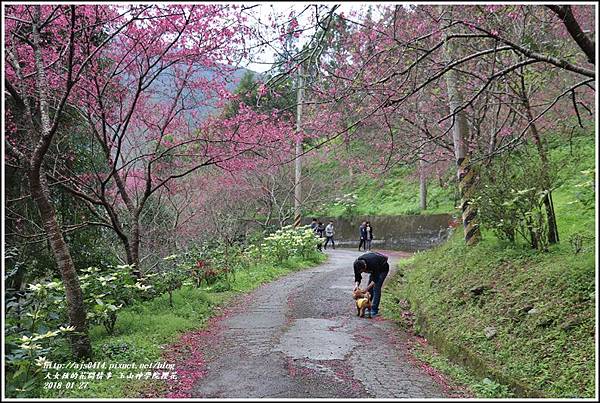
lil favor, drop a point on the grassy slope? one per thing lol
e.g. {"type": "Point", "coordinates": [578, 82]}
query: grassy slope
{"type": "Point", "coordinates": [143, 329]}
{"type": "Point", "coordinates": [551, 350]}
{"type": "Point", "coordinates": [397, 194]}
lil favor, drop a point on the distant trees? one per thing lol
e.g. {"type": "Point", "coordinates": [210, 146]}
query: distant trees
{"type": "Point", "coordinates": [253, 92]}
{"type": "Point", "coordinates": [502, 75]}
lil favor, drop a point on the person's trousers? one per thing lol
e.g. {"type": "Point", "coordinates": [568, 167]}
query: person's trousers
{"type": "Point", "coordinates": [329, 238]}
{"type": "Point", "coordinates": [378, 279]}
{"type": "Point", "coordinates": [368, 244]}
{"type": "Point", "coordinates": [362, 243]}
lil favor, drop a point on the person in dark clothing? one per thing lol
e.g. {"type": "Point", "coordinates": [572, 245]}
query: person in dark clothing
{"type": "Point", "coordinates": [378, 268]}
{"type": "Point", "coordinates": [320, 229]}
{"type": "Point", "coordinates": [369, 236]}
{"type": "Point", "coordinates": [313, 225]}
{"type": "Point", "coordinates": [363, 235]}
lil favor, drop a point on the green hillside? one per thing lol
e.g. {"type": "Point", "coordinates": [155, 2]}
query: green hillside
{"type": "Point", "coordinates": [397, 193]}
{"type": "Point", "coordinates": [537, 308]}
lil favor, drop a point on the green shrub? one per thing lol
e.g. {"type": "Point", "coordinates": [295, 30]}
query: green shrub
{"type": "Point", "coordinates": [510, 198]}
{"type": "Point", "coordinates": [288, 242]}
{"type": "Point", "coordinates": [34, 327]}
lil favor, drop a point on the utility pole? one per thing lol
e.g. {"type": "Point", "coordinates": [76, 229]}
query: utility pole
{"type": "Point", "coordinates": [298, 178]}
{"type": "Point", "coordinates": [422, 177]}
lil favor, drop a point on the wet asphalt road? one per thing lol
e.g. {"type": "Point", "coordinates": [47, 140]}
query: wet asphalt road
{"type": "Point", "coordinates": [299, 337]}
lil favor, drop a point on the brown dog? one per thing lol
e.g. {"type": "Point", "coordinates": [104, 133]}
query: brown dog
{"type": "Point", "coordinates": [363, 301]}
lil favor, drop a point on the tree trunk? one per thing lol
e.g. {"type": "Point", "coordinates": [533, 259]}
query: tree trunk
{"type": "Point", "coordinates": [128, 252]}
{"type": "Point", "coordinates": [565, 13]}
{"type": "Point", "coordinates": [465, 171]}
{"type": "Point", "coordinates": [422, 186]}
{"type": "Point", "coordinates": [38, 186]}
{"type": "Point", "coordinates": [80, 342]}
{"type": "Point", "coordinates": [548, 205]}
{"type": "Point", "coordinates": [135, 246]}
{"type": "Point", "coordinates": [119, 230]}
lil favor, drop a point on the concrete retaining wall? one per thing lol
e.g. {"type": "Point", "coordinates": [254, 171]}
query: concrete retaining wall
{"type": "Point", "coordinates": [408, 233]}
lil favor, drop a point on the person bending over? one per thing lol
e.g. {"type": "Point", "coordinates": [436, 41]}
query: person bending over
{"type": "Point", "coordinates": [378, 268]}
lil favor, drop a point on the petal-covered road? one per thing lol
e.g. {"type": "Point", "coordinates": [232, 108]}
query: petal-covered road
{"type": "Point", "coordinates": [299, 337]}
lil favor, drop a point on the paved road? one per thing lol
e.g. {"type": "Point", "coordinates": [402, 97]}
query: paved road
{"type": "Point", "coordinates": [299, 337]}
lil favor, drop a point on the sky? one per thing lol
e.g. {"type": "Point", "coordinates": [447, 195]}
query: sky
{"type": "Point", "coordinates": [262, 62]}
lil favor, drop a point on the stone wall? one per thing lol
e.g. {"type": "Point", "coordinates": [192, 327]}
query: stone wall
{"type": "Point", "coordinates": [408, 233]}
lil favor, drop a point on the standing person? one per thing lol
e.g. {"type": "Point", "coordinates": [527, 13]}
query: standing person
{"type": "Point", "coordinates": [378, 268]}
{"type": "Point", "coordinates": [329, 232]}
{"type": "Point", "coordinates": [313, 225]}
{"type": "Point", "coordinates": [363, 234]}
{"type": "Point", "coordinates": [369, 235]}
{"type": "Point", "coordinates": [320, 229]}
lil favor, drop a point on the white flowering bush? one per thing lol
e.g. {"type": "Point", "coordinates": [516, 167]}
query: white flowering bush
{"type": "Point", "coordinates": [37, 320]}
{"type": "Point", "coordinates": [168, 276]}
{"type": "Point", "coordinates": [348, 203]}
{"type": "Point", "coordinates": [34, 327]}
{"type": "Point", "coordinates": [287, 242]}
{"type": "Point", "coordinates": [27, 358]}
{"type": "Point", "coordinates": [106, 293]}
{"type": "Point", "coordinates": [253, 253]}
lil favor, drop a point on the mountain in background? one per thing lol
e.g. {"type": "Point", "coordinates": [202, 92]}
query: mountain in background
{"type": "Point", "coordinates": [165, 80]}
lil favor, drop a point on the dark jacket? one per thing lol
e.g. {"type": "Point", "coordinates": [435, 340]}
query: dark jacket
{"type": "Point", "coordinates": [362, 230]}
{"type": "Point", "coordinates": [319, 230]}
{"type": "Point", "coordinates": [376, 263]}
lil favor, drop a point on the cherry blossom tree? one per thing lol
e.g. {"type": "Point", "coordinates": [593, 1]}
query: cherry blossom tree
{"type": "Point", "coordinates": [142, 82]}
{"type": "Point", "coordinates": [48, 51]}
{"type": "Point", "coordinates": [147, 105]}
{"type": "Point", "coordinates": [458, 63]}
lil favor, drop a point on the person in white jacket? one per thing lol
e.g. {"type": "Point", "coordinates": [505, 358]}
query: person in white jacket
{"type": "Point", "coordinates": [329, 232]}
